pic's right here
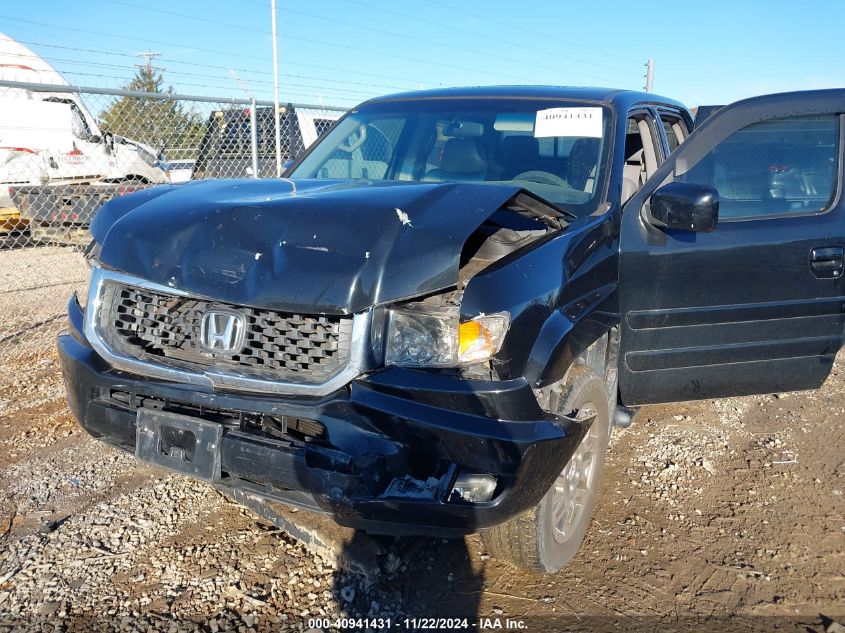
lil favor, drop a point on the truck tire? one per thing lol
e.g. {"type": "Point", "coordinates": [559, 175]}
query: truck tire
{"type": "Point", "coordinates": [547, 536]}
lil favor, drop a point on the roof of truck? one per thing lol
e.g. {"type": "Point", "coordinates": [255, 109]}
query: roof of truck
{"type": "Point", "coordinates": [611, 96]}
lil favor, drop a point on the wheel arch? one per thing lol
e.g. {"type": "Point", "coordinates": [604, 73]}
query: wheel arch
{"type": "Point", "coordinates": [591, 340]}
{"type": "Point", "coordinates": [561, 294]}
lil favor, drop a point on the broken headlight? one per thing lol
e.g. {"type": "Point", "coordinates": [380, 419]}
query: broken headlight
{"type": "Point", "coordinates": [481, 338]}
{"type": "Point", "coordinates": [437, 338]}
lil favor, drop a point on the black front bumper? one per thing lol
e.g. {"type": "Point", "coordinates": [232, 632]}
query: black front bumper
{"type": "Point", "coordinates": [391, 447]}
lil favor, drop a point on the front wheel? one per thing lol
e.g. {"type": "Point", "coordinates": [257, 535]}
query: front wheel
{"type": "Point", "coordinates": [547, 536]}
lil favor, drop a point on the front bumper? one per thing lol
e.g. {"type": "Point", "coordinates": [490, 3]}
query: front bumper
{"type": "Point", "coordinates": [391, 446]}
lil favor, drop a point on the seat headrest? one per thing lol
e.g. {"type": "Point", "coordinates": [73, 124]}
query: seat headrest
{"type": "Point", "coordinates": [462, 156]}
{"type": "Point", "coordinates": [636, 158]}
{"type": "Point", "coordinates": [463, 129]}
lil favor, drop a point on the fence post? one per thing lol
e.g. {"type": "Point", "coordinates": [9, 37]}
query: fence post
{"type": "Point", "coordinates": [253, 137]}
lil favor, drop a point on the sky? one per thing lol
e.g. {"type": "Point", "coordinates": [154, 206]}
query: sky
{"type": "Point", "coordinates": [341, 52]}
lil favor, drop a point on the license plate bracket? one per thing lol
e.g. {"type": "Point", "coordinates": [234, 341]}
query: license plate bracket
{"type": "Point", "coordinates": [179, 442]}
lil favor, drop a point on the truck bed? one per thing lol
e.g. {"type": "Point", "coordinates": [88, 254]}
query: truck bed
{"type": "Point", "coordinates": [62, 213]}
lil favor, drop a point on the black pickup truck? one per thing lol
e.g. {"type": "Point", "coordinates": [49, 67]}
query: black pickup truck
{"type": "Point", "coordinates": [432, 323]}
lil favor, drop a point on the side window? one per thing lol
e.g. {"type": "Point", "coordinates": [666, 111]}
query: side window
{"type": "Point", "coordinates": [79, 126]}
{"type": "Point", "coordinates": [675, 129]}
{"type": "Point", "coordinates": [782, 166]}
{"type": "Point", "coordinates": [640, 154]}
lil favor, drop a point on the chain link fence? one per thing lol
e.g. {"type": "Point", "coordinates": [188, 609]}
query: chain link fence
{"type": "Point", "coordinates": [65, 151]}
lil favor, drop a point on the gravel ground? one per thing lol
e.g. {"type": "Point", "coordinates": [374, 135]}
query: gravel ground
{"type": "Point", "coordinates": [35, 284]}
{"type": "Point", "coordinates": [717, 515]}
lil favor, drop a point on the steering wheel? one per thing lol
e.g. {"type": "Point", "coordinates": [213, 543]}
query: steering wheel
{"type": "Point", "coordinates": [354, 142]}
{"type": "Point", "coordinates": [542, 177]}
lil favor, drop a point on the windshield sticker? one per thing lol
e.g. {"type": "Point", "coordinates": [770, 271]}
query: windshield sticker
{"type": "Point", "coordinates": [581, 122]}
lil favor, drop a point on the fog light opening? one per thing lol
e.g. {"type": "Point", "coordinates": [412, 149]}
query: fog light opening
{"type": "Point", "coordinates": [473, 488]}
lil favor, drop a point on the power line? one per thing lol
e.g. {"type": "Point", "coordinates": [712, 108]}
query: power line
{"type": "Point", "coordinates": [498, 40]}
{"type": "Point", "coordinates": [129, 78]}
{"type": "Point", "coordinates": [199, 18]}
{"type": "Point", "coordinates": [341, 91]}
{"type": "Point", "coordinates": [406, 36]}
{"type": "Point", "coordinates": [150, 55]}
{"type": "Point", "coordinates": [203, 85]}
{"type": "Point", "coordinates": [176, 72]}
{"type": "Point", "coordinates": [243, 86]}
{"type": "Point", "coordinates": [175, 61]}
{"type": "Point", "coordinates": [315, 41]}
{"type": "Point", "coordinates": [346, 93]}
{"type": "Point", "coordinates": [510, 25]}
{"type": "Point", "coordinates": [201, 49]}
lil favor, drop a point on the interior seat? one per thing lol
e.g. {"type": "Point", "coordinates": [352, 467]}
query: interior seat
{"type": "Point", "coordinates": [582, 162]}
{"type": "Point", "coordinates": [518, 154]}
{"type": "Point", "coordinates": [462, 160]}
{"type": "Point", "coordinates": [633, 175]}
{"type": "Point", "coordinates": [633, 172]}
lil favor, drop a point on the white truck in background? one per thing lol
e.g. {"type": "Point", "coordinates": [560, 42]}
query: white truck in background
{"type": "Point", "coordinates": [56, 166]}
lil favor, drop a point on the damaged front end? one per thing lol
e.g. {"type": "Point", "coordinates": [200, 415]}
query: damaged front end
{"type": "Point", "coordinates": [328, 345]}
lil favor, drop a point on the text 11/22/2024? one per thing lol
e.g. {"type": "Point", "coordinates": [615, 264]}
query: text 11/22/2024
{"type": "Point", "coordinates": [416, 624]}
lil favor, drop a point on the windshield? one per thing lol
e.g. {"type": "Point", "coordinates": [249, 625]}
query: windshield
{"type": "Point", "coordinates": [556, 149]}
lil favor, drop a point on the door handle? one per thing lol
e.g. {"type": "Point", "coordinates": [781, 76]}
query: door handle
{"type": "Point", "coordinates": [827, 262]}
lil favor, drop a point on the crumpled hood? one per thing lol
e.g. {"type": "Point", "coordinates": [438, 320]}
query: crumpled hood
{"type": "Point", "coordinates": [301, 246]}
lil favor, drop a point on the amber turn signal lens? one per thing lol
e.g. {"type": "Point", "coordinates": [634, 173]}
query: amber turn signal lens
{"type": "Point", "coordinates": [481, 338]}
{"type": "Point", "coordinates": [468, 333]}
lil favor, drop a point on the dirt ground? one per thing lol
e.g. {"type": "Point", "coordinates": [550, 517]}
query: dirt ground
{"type": "Point", "coordinates": [35, 285]}
{"type": "Point", "coordinates": [718, 515]}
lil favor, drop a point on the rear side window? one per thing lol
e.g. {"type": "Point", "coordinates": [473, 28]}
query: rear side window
{"type": "Point", "coordinates": [676, 131]}
{"type": "Point", "coordinates": [780, 167]}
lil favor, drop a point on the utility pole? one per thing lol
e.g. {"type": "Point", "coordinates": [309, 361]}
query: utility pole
{"type": "Point", "coordinates": [276, 92]}
{"type": "Point", "coordinates": [253, 136]}
{"type": "Point", "coordinates": [148, 81]}
{"type": "Point", "coordinates": [649, 75]}
{"type": "Point", "coordinates": [150, 55]}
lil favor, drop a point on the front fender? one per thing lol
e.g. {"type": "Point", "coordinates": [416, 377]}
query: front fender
{"type": "Point", "coordinates": [568, 333]}
{"type": "Point", "coordinates": [560, 293]}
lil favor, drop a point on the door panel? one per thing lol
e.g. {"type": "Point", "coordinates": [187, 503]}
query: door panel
{"type": "Point", "coordinates": [758, 304]}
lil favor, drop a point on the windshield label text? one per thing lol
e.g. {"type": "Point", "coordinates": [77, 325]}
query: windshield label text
{"type": "Point", "coordinates": [579, 122]}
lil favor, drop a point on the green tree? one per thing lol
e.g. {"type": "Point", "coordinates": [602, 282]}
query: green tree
{"type": "Point", "coordinates": [160, 123]}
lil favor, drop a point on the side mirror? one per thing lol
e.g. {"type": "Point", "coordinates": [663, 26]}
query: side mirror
{"type": "Point", "coordinates": [684, 206]}
{"type": "Point", "coordinates": [108, 141]}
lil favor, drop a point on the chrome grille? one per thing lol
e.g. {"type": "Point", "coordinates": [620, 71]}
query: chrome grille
{"type": "Point", "coordinates": [155, 326]}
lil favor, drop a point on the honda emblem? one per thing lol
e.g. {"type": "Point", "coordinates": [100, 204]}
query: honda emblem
{"type": "Point", "coordinates": [222, 331]}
